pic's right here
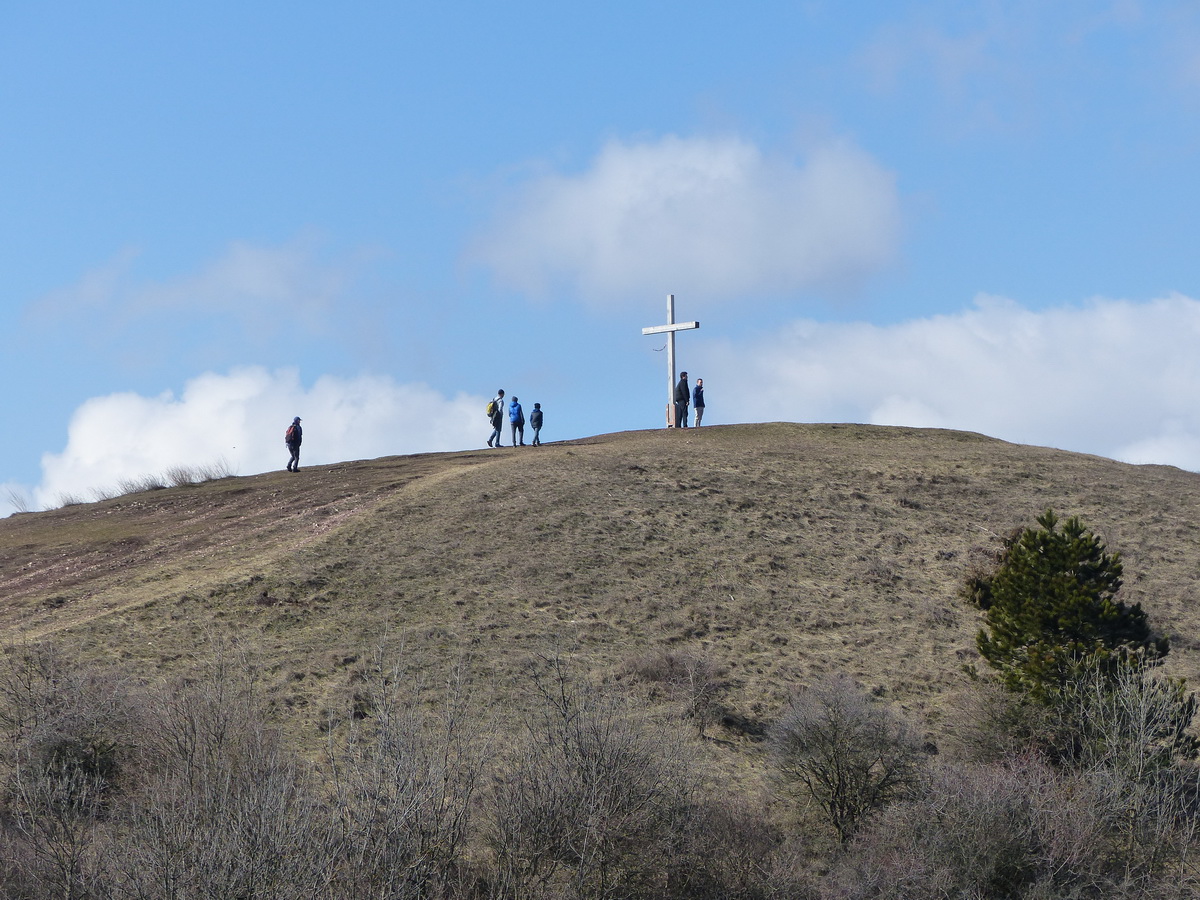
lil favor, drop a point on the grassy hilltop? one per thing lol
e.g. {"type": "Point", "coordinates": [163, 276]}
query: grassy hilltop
{"type": "Point", "coordinates": [777, 552]}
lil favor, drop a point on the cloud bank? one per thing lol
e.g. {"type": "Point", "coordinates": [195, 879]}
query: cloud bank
{"type": "Point", "coordinates": [239, 419]}
{"type": "Point", "coordinates": [712, 218]}
{"type": "Point", "coordinates": [1112, 377]}
{"type": "Point", "coordinates": [250, 282]}
{"type": "Point", "coordinates": [247, 300]}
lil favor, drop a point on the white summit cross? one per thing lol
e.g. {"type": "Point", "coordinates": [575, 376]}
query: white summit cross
{"type": "Point", "coordinates": [669, 329]}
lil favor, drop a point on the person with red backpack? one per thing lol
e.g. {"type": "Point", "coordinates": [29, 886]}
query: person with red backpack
{"type": "Point", "coordinates": [293, 438]}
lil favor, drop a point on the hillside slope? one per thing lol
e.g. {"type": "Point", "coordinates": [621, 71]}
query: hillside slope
{"type": "Point", "coordinates": [779, 551]}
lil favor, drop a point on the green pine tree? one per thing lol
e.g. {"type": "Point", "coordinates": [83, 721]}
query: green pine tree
{"type": "Point", "coordinates": [1050, 608]}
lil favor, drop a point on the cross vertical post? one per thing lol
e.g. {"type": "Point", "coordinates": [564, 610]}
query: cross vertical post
{"type": "Point", "coordinates": [671, 348]}
{"type": "Point", "coordinates": [669, 329]}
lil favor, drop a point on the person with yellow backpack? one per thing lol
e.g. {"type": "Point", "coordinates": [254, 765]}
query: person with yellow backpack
{"type": "Point", "coordinates": [495, 414]}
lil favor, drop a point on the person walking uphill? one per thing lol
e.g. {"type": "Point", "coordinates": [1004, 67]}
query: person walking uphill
{"type": "Point", "coordinates": [293, 437]}
{"type": "Point", "coordinates": [683, 396]}
{"type": "Point", "coordinates": [516, 416]}
{"type": "Point", "coordinates": [698, 400]}
{"type": "Point", "coordinates": [535, 422]}
{"type": "Point", "coordinates": [495, 411]}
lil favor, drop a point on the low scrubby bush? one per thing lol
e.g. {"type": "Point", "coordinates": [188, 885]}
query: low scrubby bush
{"type": "Point", "coordinates": [593, 801]}
{"type": "Point", "coordinates": [1021, 829]}
{"type": "Point", "coordinates": [688, 678]}
{"type": "Point", "coordinates": [845, 752]}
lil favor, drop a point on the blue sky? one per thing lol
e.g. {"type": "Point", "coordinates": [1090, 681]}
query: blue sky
{"type": "Point", "coordinates": [216, 216]}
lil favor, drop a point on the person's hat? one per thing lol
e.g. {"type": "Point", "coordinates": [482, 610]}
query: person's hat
{"type": "Point", "coordinates": [297, 419]}
{"type": "Point", "coordinates": [537, 406]}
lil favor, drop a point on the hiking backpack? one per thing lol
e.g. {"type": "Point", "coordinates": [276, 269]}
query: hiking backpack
{"type": "Point", "coordinates": [290, 434]}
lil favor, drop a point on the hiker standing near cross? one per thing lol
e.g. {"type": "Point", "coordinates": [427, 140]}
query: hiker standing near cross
{"type": "Point", "coordinates": [669, 329]}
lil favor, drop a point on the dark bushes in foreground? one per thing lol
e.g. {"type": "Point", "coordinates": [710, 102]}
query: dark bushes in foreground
{"type": "Point", "coordinates": [197, 797]}
{"type": "Point", "coordinates": [181, 791]}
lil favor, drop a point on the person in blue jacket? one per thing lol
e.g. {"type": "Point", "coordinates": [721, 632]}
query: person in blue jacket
{"type": "Point", "coordinates": [698, 400]}
{"type": "Point", "coordinates": [516, 418]}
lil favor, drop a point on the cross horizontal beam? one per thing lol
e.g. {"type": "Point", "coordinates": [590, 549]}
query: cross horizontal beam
{"type": "Point", "coordinates": [678, 326]}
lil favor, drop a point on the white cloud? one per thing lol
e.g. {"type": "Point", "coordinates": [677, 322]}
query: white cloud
{"type": "Point", "coordinates": [710, 218]}
{"type": "Point", "coordinates": [239, 418]}
{"type": "Point", "coordinates": [253, 282]}
{"type": "Point", "coordinates": [953, 60]}
{"type": "Point", "coordinates": [1112, 377]}
{"type": "Point", "coordinates": [252, 291]}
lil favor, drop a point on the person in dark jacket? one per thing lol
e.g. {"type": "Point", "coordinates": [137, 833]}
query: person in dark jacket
{"type": "Point", "coordinates": [516, 417]}
{"type": "Point", "coordinates": [698, 400]}
{"type": "Point", "coordinates": [497, 417]}
{"type": "Point", "coordinates": [683, 396]}
{"type": "Point", "coordinates": [293, 438]}
{"type": "Point", "coordinates": [535, 422]}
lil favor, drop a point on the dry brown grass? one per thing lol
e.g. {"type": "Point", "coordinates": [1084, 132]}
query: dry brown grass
{"type": "Point", "coordinates": [778, 552]}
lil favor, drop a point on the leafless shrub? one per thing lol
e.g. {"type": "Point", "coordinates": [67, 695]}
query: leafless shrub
{"type": "Point", "coordinates": [1131, 719]}
{"type": "Point", "coordinates": [180, 476]}
{"type": "Point", "coordinates": [593, 802]}
{"type": "Point", "coordinates": [995, 724]}
{"type": "Point", "coordinates": [972, 835]}
{"type": "Point", "coordinates": [845, 752]}
{"type": "Point", "coordinates": [404, 786]}
{"type": "Point", "coordinates": [731, 850]}
{"type": "Point", "coordinates": [1022, 829]}
{"type": "Point", "coordinates": [64, 759]}
{"type": "Point", "coordinates": [689, 678]}
{"type": "Point", "coordinates": [224, 810]}
{"type": "Point", "coordinates": [17, 500]}
{"type": "Point", "coordinates": [244, 824]}
{"type": "Point", "coordinates": [940, 614]}
{"type": "Point", "coordinates": [1146, 797]}
{"type": "Point", "coordinates": [141, 483]}
{"type": "Point", "coordinates": [1089, 796]}
{"type": "Point", "coordinates": [67, 498]}
{"type": "Point", "coordinates": [56, 714]}
{"type": "Point", "coordinates": [216, 470]}
{"type": "Point", "coordinates": [54, 814]}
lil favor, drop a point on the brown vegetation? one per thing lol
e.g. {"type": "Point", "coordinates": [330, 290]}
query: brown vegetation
{"type": "Point", "coordinates": [776, 552]}
{"type": "Point", "coordinates": [387, 614]}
